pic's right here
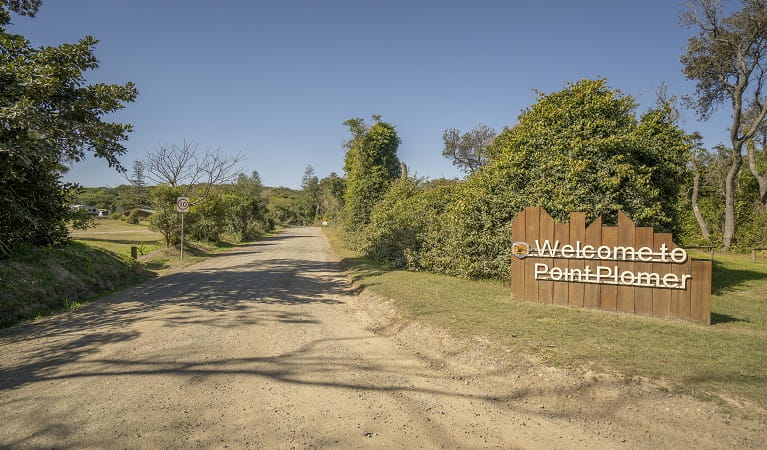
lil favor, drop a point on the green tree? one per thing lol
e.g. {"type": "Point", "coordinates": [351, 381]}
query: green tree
{"type": "Point", "coordinates": [728, 61]}
{"type": "Point", "coordinates": [165, 219]}
{"type": "Point", "coordinates": [138, 181]}
{"type": "Point", "coordinates": [311, 200]}
{"type": "Point", "coordinates": [49, 117]}
{"type": "Point", "coordinates": [246, 215]}
{"type": "Point", "coordinates": [332, 190]}
{"type": "Point", "coordinates": [371, 164]}
{"type": "Point", "coordinates": [467, 151]}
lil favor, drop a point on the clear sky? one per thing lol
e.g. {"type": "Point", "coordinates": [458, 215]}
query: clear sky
{"type": "Point", "coordinates": [276, 79]}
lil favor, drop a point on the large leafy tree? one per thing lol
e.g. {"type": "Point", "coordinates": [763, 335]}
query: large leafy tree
{"type": "Point", "coordinates": [728, 60]}
{"type": "Point", "coordinates": [49, 118]}
{"type": "Point", "coordinates": [371, 164]}
{"type": "Point", "coordinates": [583, 149]}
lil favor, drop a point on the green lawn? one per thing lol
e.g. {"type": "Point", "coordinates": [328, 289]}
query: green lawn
{"type": "Point", "coordinates": [729, 356]}
{"type": "Point", "coordinates": [119, 236]}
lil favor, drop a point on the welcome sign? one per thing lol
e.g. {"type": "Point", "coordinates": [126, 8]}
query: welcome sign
{"type": "Point", "coordinates": [625, 268]}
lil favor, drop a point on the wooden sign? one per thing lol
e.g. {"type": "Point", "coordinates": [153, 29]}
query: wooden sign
{"type": "Point", "coordinates": [626, 268]}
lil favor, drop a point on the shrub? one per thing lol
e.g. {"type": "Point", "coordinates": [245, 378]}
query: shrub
{"type": "Point", "coordinates": [133, 217]}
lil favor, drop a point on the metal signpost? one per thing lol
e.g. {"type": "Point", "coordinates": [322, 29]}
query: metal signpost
{"type": "Point", "coordinates": [182, 206]}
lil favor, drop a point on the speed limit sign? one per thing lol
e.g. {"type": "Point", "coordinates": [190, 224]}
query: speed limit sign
{"type": "Point", "coordinates": [182, 204]}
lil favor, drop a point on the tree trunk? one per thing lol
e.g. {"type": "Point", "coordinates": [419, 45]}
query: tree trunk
{"type": "Point", "coordinates": [761, 178]}
{"type": "Point", "coordinates": [696, 210]}
{"type": "Point", "coordinates": [729, 199]}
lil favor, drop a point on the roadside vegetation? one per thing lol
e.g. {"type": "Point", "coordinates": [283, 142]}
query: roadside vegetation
{"type": "Point", "coordinates": [39, 280]}
{"type": "Point", "coordinates": [727, 360]}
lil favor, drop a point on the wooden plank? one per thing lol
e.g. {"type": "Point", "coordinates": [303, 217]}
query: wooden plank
{"type": "Point", "coordinates": [643, 295]}
{"type": "Point", "coordinates": [661, 298]}
{"type": "Point", "coordinates": [700, 292]}
{"type": "Point", "coordinates": [532, 224]}
{"type": "Point", "coordinates": [561, 234]}
{"type": "Point", "coordinates": [680, 299]}
{"type": "Point", "coordinates": [626, 238]}
{"type": "Point", "coordinates": [609, 293]}
{"type": "Point", "coordinates": [518, 265]}
{"type": "Point", "coordinates": [546, 288]}
{"type": "Point", "coordinates": [593, 238]}
{"type": "Point", "coordinates": [577, 234]}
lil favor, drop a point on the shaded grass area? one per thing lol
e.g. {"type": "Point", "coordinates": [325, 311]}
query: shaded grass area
{"type": "Point", "coordinates": [728, 357]}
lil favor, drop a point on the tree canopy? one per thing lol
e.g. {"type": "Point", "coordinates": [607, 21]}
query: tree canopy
{"type": "Point", "coordinates": [49, 118]}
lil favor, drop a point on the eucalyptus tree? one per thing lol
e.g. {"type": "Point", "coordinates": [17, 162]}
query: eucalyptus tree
{"type": "Point", "coordinates": [728, 60]}
{"type": "Point", "coordinates": [468, 151]}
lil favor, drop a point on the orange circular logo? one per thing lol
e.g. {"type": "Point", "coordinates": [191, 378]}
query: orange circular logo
{"type": "Point", "coordinates": [520, 249]}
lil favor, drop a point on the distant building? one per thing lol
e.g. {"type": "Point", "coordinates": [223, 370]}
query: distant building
{"type": "Point", "coordinates": [89, 209]}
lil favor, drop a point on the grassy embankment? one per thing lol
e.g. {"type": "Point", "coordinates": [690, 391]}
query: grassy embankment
{"type": "Point", "coordinates": [728, 357]}
{"type": "Point", "coordinates": [40, 281]}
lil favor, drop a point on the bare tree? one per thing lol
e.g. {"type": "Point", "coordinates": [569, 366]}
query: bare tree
{"type": "Point", "coordinates": [728, 60]}
{"type": "Point", "coordinates": [187, 166]}
{"type": "Point", "coordinates": [468, 151]}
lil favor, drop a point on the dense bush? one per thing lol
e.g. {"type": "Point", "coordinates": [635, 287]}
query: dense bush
{"type": "Point", "coordinates": [397, 225]}
{"type": "Point", "coordinates": [579, 149]}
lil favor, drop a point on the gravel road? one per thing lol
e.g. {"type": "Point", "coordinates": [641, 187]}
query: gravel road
{"type": "Point", "coordinates": [261, 347]}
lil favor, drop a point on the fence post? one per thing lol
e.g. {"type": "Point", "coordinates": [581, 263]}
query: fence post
{"type": "Point", "coordinates": [134, 252]}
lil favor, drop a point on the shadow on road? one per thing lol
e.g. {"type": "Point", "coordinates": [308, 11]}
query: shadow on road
{"type": "Point", "coordinates": [226, 297]}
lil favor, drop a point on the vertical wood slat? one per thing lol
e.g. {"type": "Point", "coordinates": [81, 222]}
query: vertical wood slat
{"type": "Point", "coordinates": [692, 303]}
{"type": "Point", "coordinates": [608, 292]}
{"type": "Point", "coordinates": [594, 238]}
{"type": "Point", "coordinates": [700, 292]}
{"type": "Point", "coordinates": [661, 298]}
{"type": "Point", "coordinates": [546, 233]}
{"type": "Point", "coordinates": [518, 227]}
{"type": "Point", "coordinates": [577, 233]}
{"type": "Point", "coordinates": [680, 299]}
{"type": "Point", "coordinates": [532, 227]}
{"type": "Point", "coordinates": [561, 234]}
{"type": "Point", "coordinates": [643, 295]}
{"type": "Point", "coordinates": [626, 238]}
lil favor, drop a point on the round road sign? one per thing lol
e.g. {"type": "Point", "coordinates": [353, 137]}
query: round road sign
{"type": "Point", "coordinates": [182, 204]}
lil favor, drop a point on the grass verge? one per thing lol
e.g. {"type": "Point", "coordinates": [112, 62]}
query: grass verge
{"type": "Point", "coordinates": [40, 281]}
{"type": "Point", "coordinates": [727, 359]}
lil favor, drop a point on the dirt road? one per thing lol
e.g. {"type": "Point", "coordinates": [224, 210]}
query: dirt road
{"type": "Point", "coordinates": [263, 347]}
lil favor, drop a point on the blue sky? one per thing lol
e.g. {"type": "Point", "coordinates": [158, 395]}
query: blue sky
{"type": "Point", "coordinates": [276, 79]}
